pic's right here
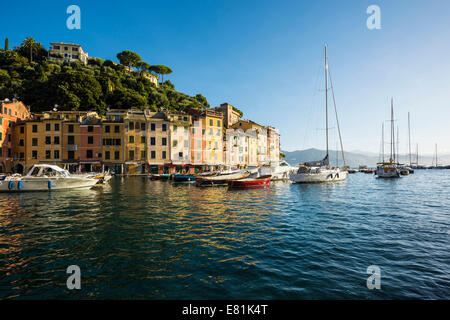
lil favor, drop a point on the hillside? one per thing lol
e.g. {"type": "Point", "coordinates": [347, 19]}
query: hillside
{"type": "Point", "coordinates": [27, 74]}
{"type": "Point", "coordinates": [352, 159]}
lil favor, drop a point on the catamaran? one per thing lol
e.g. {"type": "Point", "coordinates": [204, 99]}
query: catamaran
{"type": "Point", "coordinates": [320, 171]}
{"type": "Point", "coordinates": [389, 169]}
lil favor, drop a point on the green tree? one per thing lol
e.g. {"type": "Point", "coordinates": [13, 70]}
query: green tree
{"type": "Point", "coordinates": [6, 44]}
{"type": "Point", "coordinates": [142, 66]}
{"type": "Point", "coordinates": [129, 58]}
{"type": "Point", "coordinates": [30, 45]}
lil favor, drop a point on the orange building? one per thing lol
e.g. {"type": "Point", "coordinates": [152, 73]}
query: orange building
{"type": "Point", "coordinates": [10, 114]}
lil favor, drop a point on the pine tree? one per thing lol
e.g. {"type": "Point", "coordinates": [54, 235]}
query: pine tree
{"type": "Point", "coordinates": [6, 44]}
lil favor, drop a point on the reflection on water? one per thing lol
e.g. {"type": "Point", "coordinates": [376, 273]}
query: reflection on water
{"type": "Point", "coordinates": [136, 238]}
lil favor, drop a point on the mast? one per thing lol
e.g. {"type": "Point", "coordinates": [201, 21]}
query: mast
{"type": "Point", "coordinates": [382, 141]}
{"type": "Point", "coordinates": [436, 164]}
{"type": "Point", "coordinates": [326, 93]}
{"type": "Point", "coordinates": [398, 147]}
{"type": "Point", "coordinates": [392, 131]}
{"type": "Point", "coordinates": [409, 139]}
{"type": "Point", "coordinates": [417, 154]}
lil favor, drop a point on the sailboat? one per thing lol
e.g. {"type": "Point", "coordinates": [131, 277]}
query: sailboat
{"type": "Point", "coordinates": [389, 169]}
{"type": "Point", "coordinates": [320, 171]}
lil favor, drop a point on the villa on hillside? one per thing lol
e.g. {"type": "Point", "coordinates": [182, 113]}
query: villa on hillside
{"type": "Point", "coordinates": [70, 52]}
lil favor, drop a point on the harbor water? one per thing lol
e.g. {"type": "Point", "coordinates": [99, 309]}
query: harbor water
{"type": "Point", "coordinates": [140, 239]}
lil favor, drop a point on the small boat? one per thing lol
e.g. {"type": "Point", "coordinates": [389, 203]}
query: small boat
{"type": "Point", "coordinates": [320, 171]}
{"type": "Point", "coordinates": [389, 169]}
{"type": "Point", "coordinates": [45, 177]}
{"type": "Point", "coordinates": [278, 170]}
{"type": "Point", "coordinates": [250, 182]}
{"type": "Point", "coordinates": [221, 179]}
{"type": "Point", "coordinates": [164, 176]}
{"type": "Point", "coordinates": [183, 178]}
{"type": "Point", "coordinates": [351, 171]}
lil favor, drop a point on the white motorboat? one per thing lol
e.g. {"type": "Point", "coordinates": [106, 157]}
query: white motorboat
{"type": "Point", "coordinates": [44, 177]}
{"type": "Point", "coordinates": [278, 170]}
{"type": "Point", "coordinates": [320, 171]}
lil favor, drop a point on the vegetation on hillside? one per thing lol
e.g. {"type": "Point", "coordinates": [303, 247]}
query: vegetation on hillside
{"type": "Point", "coordinates": [28, 75]}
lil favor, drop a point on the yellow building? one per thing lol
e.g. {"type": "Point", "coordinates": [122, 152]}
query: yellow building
{"type": "Point", "coordinates": [70, 52]}
{"type": "Point", "coordinates": [135, 141]}
{"type": "Point", "coordinates": [214, 138]}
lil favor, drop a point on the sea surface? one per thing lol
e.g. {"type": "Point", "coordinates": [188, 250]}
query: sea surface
{"type": "Point", "coordinates": [142, 239]}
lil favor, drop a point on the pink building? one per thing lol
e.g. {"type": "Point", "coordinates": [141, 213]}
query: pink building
{"type": "Point", "coordinates": [90, 147]}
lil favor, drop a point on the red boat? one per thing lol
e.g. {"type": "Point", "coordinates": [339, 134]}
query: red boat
{"type": "Point", "coordinates": [250, 182]}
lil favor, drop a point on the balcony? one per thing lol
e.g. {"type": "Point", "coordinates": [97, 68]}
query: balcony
{"type": "Point", "coordinates": [71, 147]}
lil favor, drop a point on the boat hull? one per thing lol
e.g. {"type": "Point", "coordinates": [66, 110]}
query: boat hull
{"type": "Point", "coordinates": [250, 182]}
{"type": "Point", "coordinates": [45, 184]}
{"type": "Point", "coordinates": [321, 177]}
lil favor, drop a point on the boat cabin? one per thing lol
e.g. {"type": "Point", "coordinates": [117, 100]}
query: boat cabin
{"type": "Point", "coordinates": [46, 170]}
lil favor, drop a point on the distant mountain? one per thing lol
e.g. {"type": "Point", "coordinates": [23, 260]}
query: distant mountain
{"type": "Point", "coordinates": [352, 159]}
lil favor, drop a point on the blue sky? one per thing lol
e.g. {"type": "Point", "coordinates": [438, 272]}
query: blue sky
{"type": "Point", "coordinates": [265, 57]}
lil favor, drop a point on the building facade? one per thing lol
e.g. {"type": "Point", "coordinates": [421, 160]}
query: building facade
{"type": "Point", "coordinates": [10, 114]}
{"type": "Point", "coordinates": [69, 52]}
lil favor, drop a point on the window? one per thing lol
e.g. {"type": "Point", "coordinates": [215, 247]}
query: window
{"type": "Point", "coordinates": [185, 119]}
{"type": "Point", "coordinates": [153, 127]}
{"type": "Point", "coordinates": [117, 142]}
{"type": "Point", "coordinates": [152, 141]}
{"type": "Point", "coordinates": [48, 154]}
{"type": "Point", "coordinates": [9, 137]}
{"type": "Point", "coordinates": [107, 155]}
{"type": "Point", "coordinates": [34, 154]}
{"type": "Point", "coordinates": [180, 154]}
{"type": "Point", "coordinates": [107, 129]}
{"type": "Point", "coordinates": [211, 131]}
{"type": "Point", "coordinates": [22, 129]}
{"type": "Point", "coordinates": [56, 140]}
{"type": "Point", "coordinates": [116, 155]}
{"type": "Point", "coordinates": [193, 130]}
{"type": "Point", "coordinates": [131, 155]}
{"type": "Point", "coordinates": [142, 139]}
{"type": "Point", "coordinates": [131, 126]}
{"type": "Point", "coordinates": [175, 128]}
{"type": "Point", "coordinates": [90, 140]}
{"type": "Point", "coordinates": [35, 128]}
{"type": "Point", "coordinates": [218, 132]}
{"type": "Point", "coordinates": [48, 140]}
{"type": "Point", "coordinates": [164, 141]}
{"type": "Point", "coordinates": [71, 155]}
{"type": "Point", "coordinates": [34, 142]}
{"type": "Point", "coordinates": [116, 129]}
{"type": "Point", "coordinates": [153, 154]}
{"type": "Point", "coordinates": [218, 123]}
{"type": "Point", "coordinates": [9, 152]}
{"type": "Point", "coordinates": [56, 126]}
{"type": "Point", "coordinates": [21, 143]}
{"type": "Point", "coordinates": [1, 152]}
{"type": "Point", "coordinates": [90, 128]}
{"type": "Point", "coordinates": [143, 154]}
{"type": "Point", "coordinates": [70, 140]}
{"type": "Point", "coordinates": [164, 154]}
{"type": "Point", "coordinates": [47, 127]}
{"type": "Point", "coordinates": [70, 128]}
{"type": "Point", "coordinates": [211, 122]}
{"type": "Point", "coordinates": [203, 132]}
{"type": "Point", "coordinates": [56, 154]}
{"type": "Point", "coordinates": [143, 126]}
{"type": "Point", "coordinates": [164, 127]}
{"type": "Point", "coordinates": [131, 139]}
{"type": "Point", "coordinates": [175, 143]}
{"type": "Point", "coordinates": [22, 155]}
{"type": "Point", "coordinates": [89, 154]}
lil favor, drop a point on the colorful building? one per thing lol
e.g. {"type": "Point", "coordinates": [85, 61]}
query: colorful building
{"type": "Point", "coordinates": [10, 114]}
{"type": "Point", "coordinates": [230, 115]}
{"type": "Point", "coordinates": [113, 141]}
{"type": "Point", "coordinates": [158, 142]}
{"type": "Point", "coordinates": [273, 144]}
{"type": "Point", "coordinates": [214, 138]}
{"type": "Point", "coordinates": [180, 142]}
{"type": "Point", "coordinates": [91, 144]}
